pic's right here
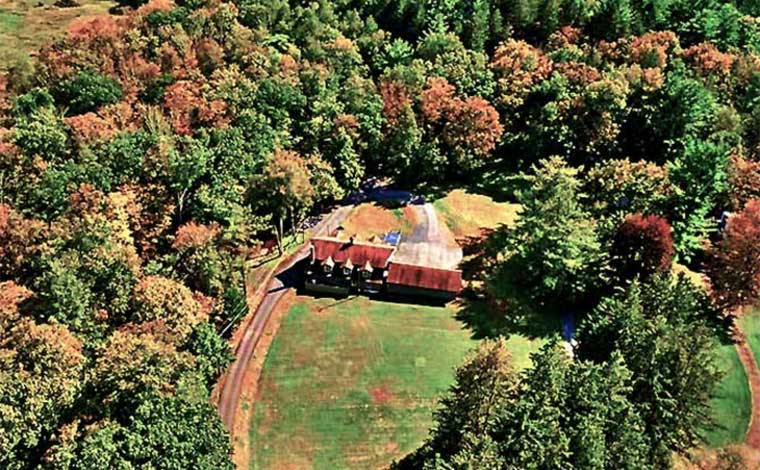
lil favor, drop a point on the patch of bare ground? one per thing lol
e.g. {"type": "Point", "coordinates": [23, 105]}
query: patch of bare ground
{"type": "Point", "coordinates": [381, 394]}
{"type": "Point", "coordinates": [719, 459]}
{"type": "Point", "coordinates": [368, 220]}
{"type": "Point", "coordinates": [251, 386]}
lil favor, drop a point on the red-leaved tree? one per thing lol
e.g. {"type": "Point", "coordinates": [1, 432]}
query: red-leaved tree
{"type": "Point", "coordinates": [642, 246]}
{"type": "Point", "coordinates": [733, 263]}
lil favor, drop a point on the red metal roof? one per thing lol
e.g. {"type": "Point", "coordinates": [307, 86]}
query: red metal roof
{"type": "Point", "coordinates": [448, 280]}
{"type": "Point", "coordinates": [359, 253]}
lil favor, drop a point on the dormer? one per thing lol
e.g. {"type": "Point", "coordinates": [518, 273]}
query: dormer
{"type": "Point", "coordinates": [328, 264]}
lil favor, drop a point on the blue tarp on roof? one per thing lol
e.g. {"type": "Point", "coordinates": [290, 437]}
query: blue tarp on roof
{"type": "Point", "coordinates": [392, 238]}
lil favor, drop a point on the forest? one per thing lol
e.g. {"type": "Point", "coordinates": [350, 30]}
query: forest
{"type": "Point", "coordinates": [148, 153]}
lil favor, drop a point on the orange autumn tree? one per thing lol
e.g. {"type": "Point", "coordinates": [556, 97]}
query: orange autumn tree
{"type": "Point", "coordinates": [470, 127]}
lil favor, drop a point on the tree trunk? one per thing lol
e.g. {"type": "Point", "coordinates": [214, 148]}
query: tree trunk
{"type": "Point", "coordinates": [278, 231]}
{"type": "Point", "coordinates": [293, 225]}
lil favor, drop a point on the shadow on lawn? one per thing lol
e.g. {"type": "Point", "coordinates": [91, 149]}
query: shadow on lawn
{"type": "Point", "coordinates": [486, 322]}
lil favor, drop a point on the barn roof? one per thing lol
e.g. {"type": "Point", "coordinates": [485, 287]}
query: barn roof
{"type": "Point", "coordinates": [448, 280]}
{"type": "Point", "coordinates": [359, 253]}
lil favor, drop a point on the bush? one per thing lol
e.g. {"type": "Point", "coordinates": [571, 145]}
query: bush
{"type": "Point", "coordinates": [87, 91]}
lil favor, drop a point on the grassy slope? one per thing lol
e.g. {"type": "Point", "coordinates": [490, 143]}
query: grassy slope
{"type": "Point", "coordinates": [749, 324]}
{"type": "Point", "coordinates": [25, 26]}
{"type": "Point", "coordinates": [466, 213]}
{"type": "Point", "coordinates": [731, 406]}
{"type": "Point", "coordinates": [732, 403]}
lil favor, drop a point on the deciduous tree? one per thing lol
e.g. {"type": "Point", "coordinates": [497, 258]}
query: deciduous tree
{"type": "Point", "coordinates": [733, 263]}
{"type": "Point", "coordinates": [642, 246]}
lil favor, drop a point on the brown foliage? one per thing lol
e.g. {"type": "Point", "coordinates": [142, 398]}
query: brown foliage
{"type": "Point", "coordinates": [733, 263]}
{"type": "Point", "coordinates": [20, 240]}
{"type": "Point", "coordinates": [652, 49]}
{"type": "Point", "coordinates": [100, 28]}
{"type": "Point", "coordinates": [708, 60]}
{"type": "Point", "coordinates": [578, 72]}
{"type": "Point", "coordinates": [743, 181]}
{"type": "Point", "coordinates": [649, 79]}
{"type": "Point", "coordinates": [89, 128]}
{"type": "Point", "coordinates": [150, 210]}
{"type": "Point", "coordinates": [396, 98]}
{"type": "Point", "coordinates": [518, 67]}
{"type": "Point", "coordinates": [153, 6]}
{"type": "Point", "coordinates": [210, 55]}
{"type": "Point", "coordinates": [473, 125]}
{"type": "Point", "coordinates": [565, 36]}
{"type": "Point", "coordinates": [437, 99]}
{"type": "Point", "coordinates": [193, 235]}
{"type": "Point", "coordinates": [11, 296]}
{"type": "Point", "coordinates": [642, 246]}
{"type": "Point", "coordinates": [188, 108]}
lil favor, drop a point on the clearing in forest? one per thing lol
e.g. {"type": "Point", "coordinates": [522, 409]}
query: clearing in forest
{"type": "Point", "coordinates": [353, 383]}
{"type": "Point", "coordinates": [26, 25]}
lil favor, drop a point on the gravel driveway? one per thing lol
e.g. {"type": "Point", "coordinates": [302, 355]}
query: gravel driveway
{"type": "Point", "coordinates": [430, 244]}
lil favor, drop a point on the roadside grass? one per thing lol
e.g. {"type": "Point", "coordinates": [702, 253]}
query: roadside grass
{"type": "Point", "coordinates": [25, 26]}
{"type": "Point", "coordinates": [749, 324]}
{"type": "Point", "coordinates": [732, 404]}
{"type": "Point", "coordinates": [353, 383]}
{"type": "Point", "coordinates": [466, 213]}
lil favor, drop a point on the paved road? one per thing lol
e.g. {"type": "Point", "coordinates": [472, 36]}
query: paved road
{"type": "Point", "coordinates": [285, 278]}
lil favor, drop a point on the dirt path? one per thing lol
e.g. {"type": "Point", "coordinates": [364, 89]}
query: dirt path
{"type": "Point", "coordinates": [752, 439]}
{"type": "Point", "coordinates": [238, 373]}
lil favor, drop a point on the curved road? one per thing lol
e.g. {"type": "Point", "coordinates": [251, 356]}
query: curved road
{"type": "Point", "coordinates": [285, 278]}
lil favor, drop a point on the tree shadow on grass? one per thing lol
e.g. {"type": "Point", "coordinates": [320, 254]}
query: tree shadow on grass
{"type": "Point", "coordinates": [487, 321]}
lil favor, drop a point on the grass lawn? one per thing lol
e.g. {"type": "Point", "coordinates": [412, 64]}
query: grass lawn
{"type": "Point", "coordinates": [352, 383]}
{"type": "Point", "coordinates": [732, 405]}
{"type": "Point", "coordinates": [466, 213]}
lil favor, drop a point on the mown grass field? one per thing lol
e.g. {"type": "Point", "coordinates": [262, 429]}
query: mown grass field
{"type": "Point", "coordinates": [26, 25]}
{"type": "Point", "coordinates": [352, 383]}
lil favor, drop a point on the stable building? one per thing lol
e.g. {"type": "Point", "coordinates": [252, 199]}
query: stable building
{"type": "Point", "coordinates": [409, 280]}
{"type": "Point", "coordinates": [339, 266]}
